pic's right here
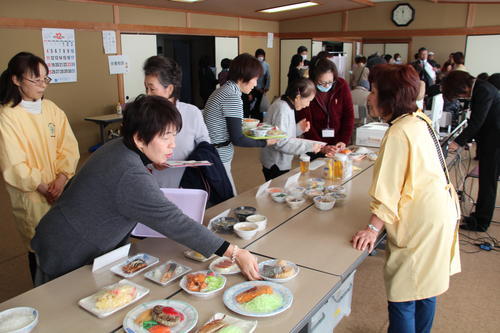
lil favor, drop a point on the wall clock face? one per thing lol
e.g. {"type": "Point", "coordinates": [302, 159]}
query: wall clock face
{"type": "Point", "coordinates": [403, 14]}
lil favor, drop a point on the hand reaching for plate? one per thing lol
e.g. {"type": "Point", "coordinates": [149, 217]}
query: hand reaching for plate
{"type": "Point", "coordinates": [316, 148]}
{"type": "Point", "coordinates": [245, 261]}
{"type": "Point", "coordinates": [329, 150]}
{"type": "Point", "coordinates": [248, 264]}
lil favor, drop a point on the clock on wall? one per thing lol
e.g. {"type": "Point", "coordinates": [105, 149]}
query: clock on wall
{"type": "Point", "coordinates": [403, 14]}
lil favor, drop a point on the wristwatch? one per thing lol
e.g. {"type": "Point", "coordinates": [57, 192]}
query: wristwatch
{"type": "Point", "coordinates": [374, 228]}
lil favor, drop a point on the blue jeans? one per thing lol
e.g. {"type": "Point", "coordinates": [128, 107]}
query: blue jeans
{"type": "Point", "coordinates": [412, 317]}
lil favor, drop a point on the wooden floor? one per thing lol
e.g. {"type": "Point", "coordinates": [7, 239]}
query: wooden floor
{"type": "Point", "coordinates": [472, 304]}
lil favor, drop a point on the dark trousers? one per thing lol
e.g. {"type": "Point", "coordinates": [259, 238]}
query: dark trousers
{"type": "Point", "coordinates": [255, 112]}
{"type": "Point", "coordinates": [489, 169]}
{"type": "Point", "coordinates": [273, 172]}
{"type": "Point", "coordinates": [412, 316]}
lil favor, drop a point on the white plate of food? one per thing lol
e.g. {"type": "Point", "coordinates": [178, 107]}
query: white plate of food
{"type": "Point", "coordinates": [167, 272]}
{"type": "Point", "coordinates": [224, 265]}
{"type": "Point", "coordinates": [134, 265]}
{"type": "Point", "coordinates": [173, 316]}
{"type": "Point", "coordinates": [203, 283]}
{"type": "Point", "coordinates": [191, 254]}
{"type": "Point", "coordinates": [113, 298]}
{"type": "Point", "coordinates": [220, 321]}
{"type": "Point", "coordinates": [278, 270]}
{"type": "Point", "coordinates": [258, 298]}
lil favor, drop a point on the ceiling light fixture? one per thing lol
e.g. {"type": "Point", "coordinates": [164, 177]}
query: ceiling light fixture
{"type": "Point", "coordinates": [289, 7]}
{"type": "Point", "coordinates": [189, 1]}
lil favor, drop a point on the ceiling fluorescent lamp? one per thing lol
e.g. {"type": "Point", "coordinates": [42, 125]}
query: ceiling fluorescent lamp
{"type": "Point", "coordinates": [289, 7]}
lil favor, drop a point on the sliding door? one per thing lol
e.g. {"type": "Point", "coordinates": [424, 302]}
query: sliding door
{"type": "Point", "coordinates": [138, 48]}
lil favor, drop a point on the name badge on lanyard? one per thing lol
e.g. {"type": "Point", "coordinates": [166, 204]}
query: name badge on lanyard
{"type": "Point", "coordinates": [328, 133]}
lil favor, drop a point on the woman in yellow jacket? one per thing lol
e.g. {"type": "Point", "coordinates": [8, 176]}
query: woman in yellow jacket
{"type": "Point", "coordinates": [38, 150]}
{"type": "Point", "coordinates": [415, 202]}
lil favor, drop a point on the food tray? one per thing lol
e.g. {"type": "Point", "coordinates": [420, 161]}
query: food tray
{"type": "Point", "coordinates": [156, 274]}
{"type": "Point", "coordinates": [191, 254]}
{"type": "Point", "coordinates": [149, 259]}
{"type": "Point", "coordinates": [88, 303]}
{"type": "Point", "coordinates": [246, 326]}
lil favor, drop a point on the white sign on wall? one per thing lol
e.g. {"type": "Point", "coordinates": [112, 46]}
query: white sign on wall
{"type": "Point", "coordinates": [118, 64]}
{"type": "Point", "coordinates": [109, 41]}
{"type": "Point", "coordinates": [59, 49]}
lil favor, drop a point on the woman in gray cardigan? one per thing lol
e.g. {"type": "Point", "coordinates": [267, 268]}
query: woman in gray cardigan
{"type": "Point", "coordinates": [277, 159]}
{"type": "Point", "coordinates": [114, 190]}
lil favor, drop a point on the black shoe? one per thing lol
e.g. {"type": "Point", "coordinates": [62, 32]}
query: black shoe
{"type": "Point", "coordinates": [471, 224]}
{"type": "Point", "coordinates": [473, 228]}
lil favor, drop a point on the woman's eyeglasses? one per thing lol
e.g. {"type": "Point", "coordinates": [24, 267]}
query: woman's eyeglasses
{"type": "Point", "coordinates": [39, 82]}
{"type": "Point", "coordinates": [325, 84]}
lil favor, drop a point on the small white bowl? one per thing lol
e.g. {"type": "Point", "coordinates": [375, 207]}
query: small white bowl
{"type": "Point", "coordinates": [324, 202]}
{"type": "Point", "coordinates": [272, 190]}
{"type": "Point", "coordinates": [294, 203]}
{"type": "Point", "coordinates": [29, 313]}
{"type": "Point", "coordinates": [250, 123]}
{"type": "Point", "coordinates": [313, 193]}
{"type": "Point", "coordinates": [339, 197]}
{"type": "Point", "coordinates": [279, 197]}
{"type": "Point", "coordinates": [246, 230]}
{"type": "Point", "coordinates": [336, 189]}
{"type": "Point", "coordinates": [260, 220]}
{"type": "Point", "coordinates": [296, 192]}
{"type": "Point", "coordinates": [259, 132]}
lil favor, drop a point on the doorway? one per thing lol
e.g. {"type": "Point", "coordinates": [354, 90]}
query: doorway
{"type": "Point", "coordinates": [188, 51]}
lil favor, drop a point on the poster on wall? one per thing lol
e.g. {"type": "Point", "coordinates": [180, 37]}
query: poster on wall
{"type": "Point", "coordinates": [118, 64]}
{"type": "Point", "coordinates": [60, 54]}
{"type": "Point", "coordinates": [109, 41]}
{"type": "Point", "coordinates": [270, 40]}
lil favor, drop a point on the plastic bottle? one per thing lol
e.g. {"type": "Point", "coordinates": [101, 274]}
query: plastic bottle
{"type": "Point", "coordinates": [118, 108]}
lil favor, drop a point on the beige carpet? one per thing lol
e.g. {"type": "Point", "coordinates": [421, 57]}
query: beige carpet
{"type": "Point", "coordinates": [472, 304]}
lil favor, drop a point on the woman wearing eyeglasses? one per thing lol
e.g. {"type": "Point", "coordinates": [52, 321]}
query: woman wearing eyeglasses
{"type": "Point", "coordinates": [331, 111]}
{"type": "Point", "coordinates": [38, 150]}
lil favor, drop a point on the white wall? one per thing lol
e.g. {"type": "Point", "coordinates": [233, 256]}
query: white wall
{"type": "Point", "coordinates": [225, 47]}
{"type": "Point", "coordinates": [482, 54]}
{"type": "Point", "coordinates": [138, 48]}
{"type": "Point", "coordinates": [317, 47]}
{"type": "Point", "coordinates": [369, 49]}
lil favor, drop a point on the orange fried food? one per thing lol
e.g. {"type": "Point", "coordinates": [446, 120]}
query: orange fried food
{"type": "Point", "coordinates": [196, 282]}
{"type": "Point", "coordinates": [251, 293]}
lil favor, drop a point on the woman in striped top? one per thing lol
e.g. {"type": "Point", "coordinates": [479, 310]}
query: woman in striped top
{"type": "Point", "coordinates": [223, 112]}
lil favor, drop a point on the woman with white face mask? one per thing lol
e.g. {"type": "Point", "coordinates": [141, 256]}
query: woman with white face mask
{"type": "Point", "coordinates": [302, 51]}
{"type": "Point", "coordinates": [331, 112]}
{"type": "Point", "coordinates": [38, 150]}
